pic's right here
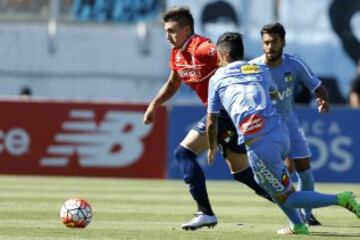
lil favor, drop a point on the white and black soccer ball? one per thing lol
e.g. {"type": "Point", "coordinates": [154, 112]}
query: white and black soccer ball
{"type": "Point", "coordinates": [76, 213]}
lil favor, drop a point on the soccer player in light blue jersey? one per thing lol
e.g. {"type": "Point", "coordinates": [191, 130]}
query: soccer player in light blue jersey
{"type": "Point", "coordinates": [287, 71]}
{"type": "Point", "coordinates": [243, 91]}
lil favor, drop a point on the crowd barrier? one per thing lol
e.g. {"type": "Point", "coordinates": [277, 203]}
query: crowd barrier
{"type": "Point", "coordinates": [81, 139]}
{"type": "Point", "coordinates": [76, 138]}
{"type": "Point", "coordinates": [333, 138]}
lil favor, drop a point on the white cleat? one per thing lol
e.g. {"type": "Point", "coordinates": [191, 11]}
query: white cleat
{"type": "Point", "coordinates": [200, 220]}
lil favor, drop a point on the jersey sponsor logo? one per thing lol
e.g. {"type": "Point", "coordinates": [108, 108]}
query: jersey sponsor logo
{"type": "Point", "coordinates": [289, 77]}
{"type": "Point", "coordinates": [114, 142]}
{"type": "Point", "coordinates": [252, 124]}
{"type": "Point", "coordinates": [248, 69]}
{"type": "Point", "coordinates": [264, 175]}
{"type": "Point", "coordinates": [286, 93]}
{"type": "Point", "coordinates": [226, 136]}
{"type": "Point", "coordinates": [232, 71]}
{"type": "Point", "coordinates": [189, 73]}
{"type": "Point", "coordinates": [285, 178]}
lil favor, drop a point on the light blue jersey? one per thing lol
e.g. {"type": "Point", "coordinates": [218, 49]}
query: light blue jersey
{"type": "Point", "coordinates": [290, 73]}
{"type": "Point", "coordinates": [243, 90]}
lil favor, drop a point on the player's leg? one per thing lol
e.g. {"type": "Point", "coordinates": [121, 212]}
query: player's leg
{"type": "Point", "coordinates": [193, 144]}
{"type": "Point", "coordinates": [242, 172]}
{"type": "Point", "coordinates": [235, 155]}
{"type": "Point", "coordinates": [267, 162]}
{"type": "Point", "coordinates": [308, 199]}
{"type": "Point", "coordinates": [306, 182]}
{"type": "Point", "coordinates": [300, 154]}
{"type": "Point", "coordinates": [266, 159]}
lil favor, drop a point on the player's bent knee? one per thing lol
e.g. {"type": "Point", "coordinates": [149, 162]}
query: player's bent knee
{"type": "Point", "coordinates": [182, 153]}
{"type": "Point", "coordinates": [195, 141]}
{"type": "Point", "coordinates": [188, 165]}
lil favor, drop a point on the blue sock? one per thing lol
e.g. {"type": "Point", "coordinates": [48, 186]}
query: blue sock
{"type": "Point", "coordinates": [310, 200]}
{"type": "Point", "coordinates": [306, 183]}
{"type": "Point", "coordinates": [306, 180]}
{"type": "Point", "coordinates": [194, 178]}
{"type": "Point", "coordinates": [247, 177]}
{"type": "Point", "coordinates": [293, 214]}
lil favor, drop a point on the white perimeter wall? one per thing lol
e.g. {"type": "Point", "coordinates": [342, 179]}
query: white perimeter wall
{"type": "Point", "coordinates": [90, 61]}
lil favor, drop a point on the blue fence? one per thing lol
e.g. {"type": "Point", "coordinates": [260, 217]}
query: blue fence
{"type": "Point", "coordinates": [333, 138]}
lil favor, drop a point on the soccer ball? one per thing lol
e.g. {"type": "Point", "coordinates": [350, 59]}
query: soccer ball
{"type": "Point", "coordinates": [76, 213]}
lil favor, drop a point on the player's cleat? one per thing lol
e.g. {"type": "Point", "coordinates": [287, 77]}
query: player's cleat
{"type": "Point", "coordinates": [312, 221]}
{"type": "Point", "coordinates": [294, 229]}
{"type": "Point", "coordinates": [200, 220]}
{"type": "Point", "coordinates": [347, 200]}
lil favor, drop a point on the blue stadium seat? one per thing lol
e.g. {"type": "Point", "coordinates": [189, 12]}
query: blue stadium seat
{"type": "Point", "coordinates": [134, 10]}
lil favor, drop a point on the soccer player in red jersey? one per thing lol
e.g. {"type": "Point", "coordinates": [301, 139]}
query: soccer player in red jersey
{"type": "Point", "coordinates": [193, 61]}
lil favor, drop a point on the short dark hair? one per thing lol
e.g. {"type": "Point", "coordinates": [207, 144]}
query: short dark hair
{"type": "Point", "coordinates": [232, 43]}
{"type": "Point", "coordinates": [181, 15]}
{"type": "Point", "coordinates": [276, 28]}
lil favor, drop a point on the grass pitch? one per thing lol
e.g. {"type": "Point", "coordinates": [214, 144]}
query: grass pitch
{"type": "Point", "coordinates": [153, 210]}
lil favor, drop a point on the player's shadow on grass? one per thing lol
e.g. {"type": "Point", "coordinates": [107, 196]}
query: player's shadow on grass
{"type": "Point", "coordinates": [342, 226]}
{"type": "Point", "coordinates": [334, 234]}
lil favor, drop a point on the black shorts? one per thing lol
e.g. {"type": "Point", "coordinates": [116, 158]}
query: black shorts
{"type": "Point", "coordinates": [227, 135]}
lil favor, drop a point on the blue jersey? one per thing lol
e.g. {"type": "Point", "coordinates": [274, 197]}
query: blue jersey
{"type": "Point", "coordinates": [291, 72]}
{"type": "Point", "coordinates": [243, 90]}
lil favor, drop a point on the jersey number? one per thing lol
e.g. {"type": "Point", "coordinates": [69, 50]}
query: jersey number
{"type": "Point", "coordinates": [249, 97]}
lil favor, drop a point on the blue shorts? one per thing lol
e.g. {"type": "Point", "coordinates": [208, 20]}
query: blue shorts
{"type": "Point", "coordinates": [299, 146]}
{"type": "Point", "coordinates": [227, 135]}
{"type": "Point", "coordinates": [266, 158]}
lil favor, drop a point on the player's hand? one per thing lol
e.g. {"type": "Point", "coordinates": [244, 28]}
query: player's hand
{"type": "Point", "coordinates": [323, 106]}
{"type": "Point", "coordinates": [149, 115]}
{"type": "Point", "coordinates": [211, 156]}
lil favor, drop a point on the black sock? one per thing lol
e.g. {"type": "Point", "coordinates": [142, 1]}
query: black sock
{"type": "Point", "coordinates": [247, 177]}
{"type": "Point", "coordinates": [205, 208]}
{"type": "Point", "coordinates": [194, 178]}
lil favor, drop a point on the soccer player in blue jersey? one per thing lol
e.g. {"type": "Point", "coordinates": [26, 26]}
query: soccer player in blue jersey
{"type": "Point", "coordinates": [288, 71]}
{"type": "Point", "coordinates": [243, 91]}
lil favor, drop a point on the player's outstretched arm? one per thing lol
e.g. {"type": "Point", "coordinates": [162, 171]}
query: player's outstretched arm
{"type": "Point", "coordinates": [322, 99]}
{"type": "Point", "coordinates": [211, 133]}
{"type": "Point", "coordinates": [166, 92]}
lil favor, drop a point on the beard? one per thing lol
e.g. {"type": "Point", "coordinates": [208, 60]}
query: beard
{"type": "Point", "coordinates": [273, 56]}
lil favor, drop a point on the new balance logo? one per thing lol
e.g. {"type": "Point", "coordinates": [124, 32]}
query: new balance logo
{"type": "Point", "coordinates": [115, 142]}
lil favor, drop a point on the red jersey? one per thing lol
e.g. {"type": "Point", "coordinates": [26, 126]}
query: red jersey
{"type": "Point", "coordinates": [195, 63]}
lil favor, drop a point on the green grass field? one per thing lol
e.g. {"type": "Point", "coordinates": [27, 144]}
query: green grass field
{"type": "Point", "coordinates": [152, 210]}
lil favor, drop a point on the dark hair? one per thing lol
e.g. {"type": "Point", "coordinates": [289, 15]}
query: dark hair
{"type": "Point", "coordinates": [276, 28]}
{"type": "Point", "coordinates": [181, 15]}
{"type": "Point", "coordinates": [232, 43]}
